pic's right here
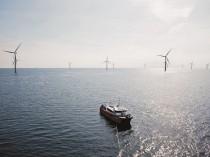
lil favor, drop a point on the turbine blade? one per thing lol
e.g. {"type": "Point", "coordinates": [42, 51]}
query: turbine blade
{"type": "Point", "coordinates": [8, 51]}
{"type": "Point", "coordinates": [167, 60]}
{"type": "Point", "coordinates": [168, 52]}
{"type": "Point", "coordinates": [161, 55]}
{"type": "Point", "coordinates": [17, 48]}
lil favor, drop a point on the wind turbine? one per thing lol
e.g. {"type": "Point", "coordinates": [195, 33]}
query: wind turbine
{"type": "Point", "coordinates": [182, 66]}
{"type": "Point", "coordinates": [15, 58]}
{"type": "Point", "coordinates": [113, 65]}
{"type": "Point", "coordinates": [107, 62]}
{"type": "Point", "coordinates": [191, 65]}
{"type": "Point", "coordinates": [69, 65]}
{"type": "Point", "coordinates": [166, 59]}
{"type": "Point", "coordinates": [207, 66]}
{"type": "Point", "coordinates": [145, 65]}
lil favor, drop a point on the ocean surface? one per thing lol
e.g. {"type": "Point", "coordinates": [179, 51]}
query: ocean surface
{"type": "Point", "coordinates": [55, 112]}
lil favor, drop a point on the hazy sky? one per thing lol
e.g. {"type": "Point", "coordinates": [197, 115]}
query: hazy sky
{"type": "Point", "coordinates": [85, 32]}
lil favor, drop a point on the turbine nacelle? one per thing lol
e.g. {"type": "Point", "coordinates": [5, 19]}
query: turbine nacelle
{"type": "Point", "coordinates": [106, 61]}
{"type": "Point", "coordinates": [15, 52]}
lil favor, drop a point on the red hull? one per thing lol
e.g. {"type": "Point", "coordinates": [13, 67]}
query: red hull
{"type": "Point", "coordinates": [114, 118]}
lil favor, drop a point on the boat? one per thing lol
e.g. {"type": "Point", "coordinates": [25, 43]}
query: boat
{"type": "Point", "coordinates": [115, 113]}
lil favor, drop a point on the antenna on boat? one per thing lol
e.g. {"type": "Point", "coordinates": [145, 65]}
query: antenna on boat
{"type": "Point", "coordinates": [119, 101]}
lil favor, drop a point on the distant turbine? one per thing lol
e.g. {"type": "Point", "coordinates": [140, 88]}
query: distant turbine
{"type": "Point", "coordinates": [15, 58]}
{"type": "Point", "coordinates": [166, 60]}
{"type": "Point", "coordinates": [113, 66]}
{"type": "Point", "coordinates": [207, 66]}
{"type": "Point", "coordinates": [107, 62]}
{"type": "Point", "coordinates": [69, 65]}
{"type": "Point", "coordinates": [182, 66]}
{"type": "Point", "coordinates": [191, 65]}
{"type": "Point", "coordinates": [145, 65]}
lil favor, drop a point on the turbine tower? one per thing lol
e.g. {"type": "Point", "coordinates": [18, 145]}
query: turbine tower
{"type": "Point", "coordinates": [107, 62]}
{"type": "Point", "coordinates": [113, 66]}
{"type": "Point", "coordinates": [191, 65]}
{"type": "Point", "coordinates": [15, 58]}
{"type": "Point", "coordinates": [166, 59]}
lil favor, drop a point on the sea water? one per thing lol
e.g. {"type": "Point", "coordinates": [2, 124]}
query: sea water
{"type": "Point", "coordinates": [55, 112]}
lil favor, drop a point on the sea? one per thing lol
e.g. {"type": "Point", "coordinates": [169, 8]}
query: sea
{"type": "Point", "coordinates": [55, 113]}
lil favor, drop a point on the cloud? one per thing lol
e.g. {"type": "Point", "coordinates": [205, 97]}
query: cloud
{"type": "Point", "coordinates": [168, 10]}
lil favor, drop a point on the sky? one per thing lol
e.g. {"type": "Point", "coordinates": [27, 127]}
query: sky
{"type": "Point", "coordinates": [84, 32]}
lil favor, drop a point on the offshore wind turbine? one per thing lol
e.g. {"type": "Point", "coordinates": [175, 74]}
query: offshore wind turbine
{"type": "Point", "coordinates": [107, 62]}
{"type": "Point", "coordinates": [145, 65]}
{"type": "Point", "coordinates": [15, 58]}
{"type": "Point", "coordinates": [166, 59]}
{"type": "Point", "coordinates": [69, 65]}
{"type": "Point", "coordinates": [207, 66]}
{"type": "Point", "coordinates": [191, 65]}
{"type": "Point", "coordinates": [113, 65]}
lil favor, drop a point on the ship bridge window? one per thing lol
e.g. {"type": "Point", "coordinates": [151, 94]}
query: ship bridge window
{"type": "Point", "coordinates": [121, 114]}
{"type": "Point", "coordinates": [118, 113]}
